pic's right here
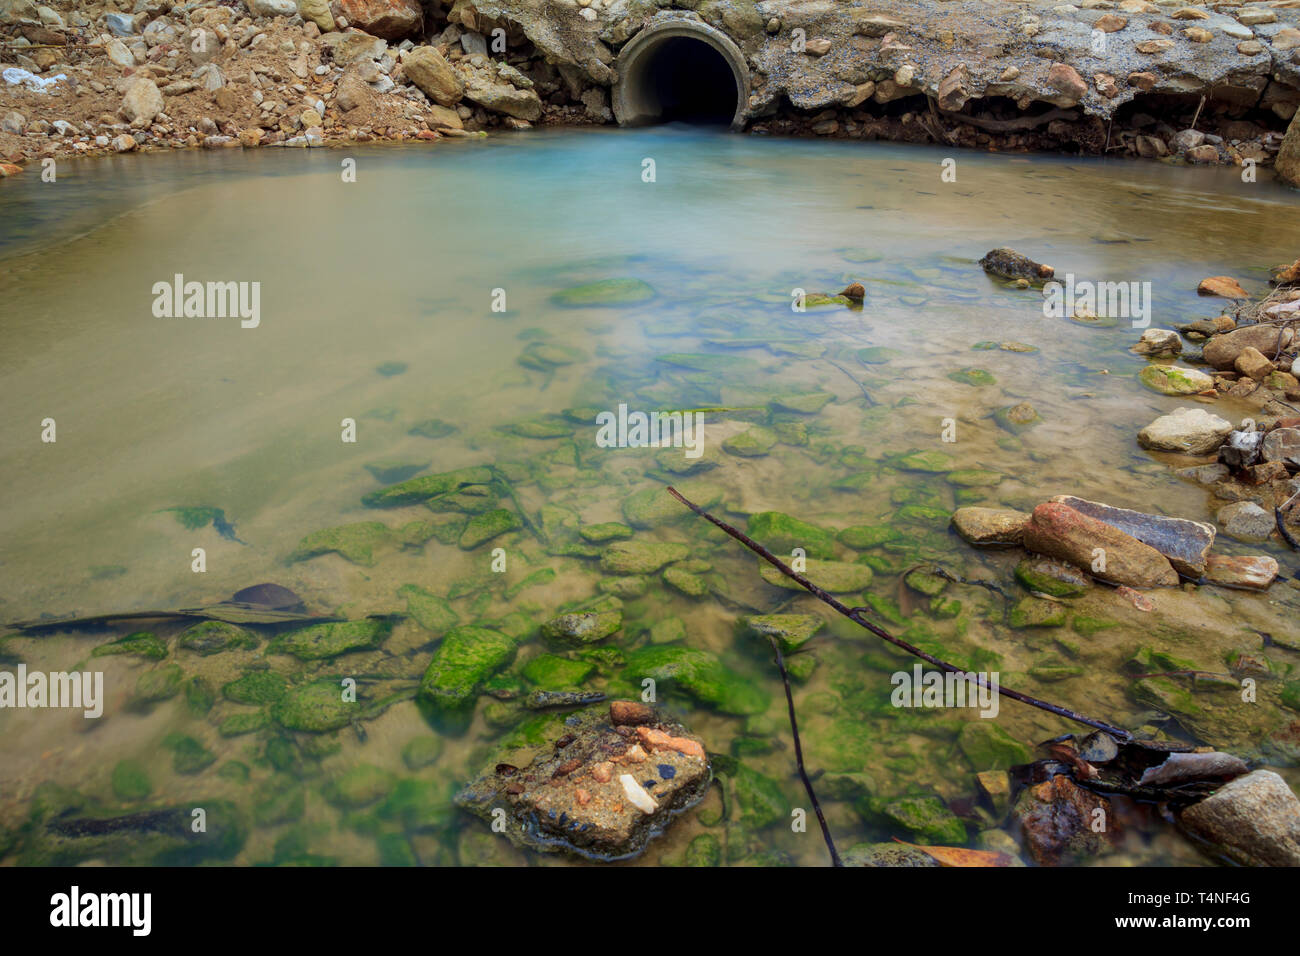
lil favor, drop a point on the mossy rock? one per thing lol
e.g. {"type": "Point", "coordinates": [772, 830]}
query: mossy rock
{"type": "Point", "coordinates": [1086, 625]}
{"type": "Point", "coordinates": [1173, 380]}
{"type": "Point", "coordinates": [416, 490]}
{"type": "Point", "coordinates": [782, 533]}
{"type": "Point", "coordinates": [236, 725]}
{"type": "Point", "coordinates": [926, 818]}
{"type": "Point", "coordinates": [878, 355]}
{"type": "Point", "coordinates": [582, 628]}
{"type": "Point", "coordinates": [974, 478]}
{"type": "Point", "coordinates": [973, 376]}
{"type": "Point", "coordinates": [467, 656]}
{"type": "Point", "coordinates": [668, 631]}
{"type": "Point", "coordinates": [931, 462]}
{"type": "Point", "coordinates": [130, 781]}
{"type": "Point", "coordinates": [608, 531]}
{"type": "Point", "coordinates": [606, 292]}
{"type": "Point", "coordinates": [428, 610]}
{"type": "Point", "coordinates": [552, 672]}
{"type": "Point", "coordinates": [1035, 612]}
{"type": "Point", "coordinates": [802, 403]}
{"type": "Point", "coordinates": [538, 578]}
{"type": "Point", "coordinates": [1048, 576]}
{"type": "Point", "coordinates": [704, 850]}
{"type": "Point", "coordinates": [544, 356]}
{"type": "Point", "coordinates": [189, 756]}
{"type": "Point", "coordinates": [213, 637]}
{"type": "Point", "coordinates": [356, 542]}
{"type": "Point", "coordinates": [432, 428]}
{"type": "Point", "coordinates": [420, 752]}
{"type": "Point", "coordinates": [688, 583]}
{"type": "Point", "coordinates": [140, 644]}
{"type": "Point", "coordinates": [316, 708]}
{"type": "Point", "coordinates": [924, 514]}
{"type": "Point", "coordinates": [200, 695]}
{"type": "Point", "coordinates": [641, 557]}
{"type": "Point", "coordinates": [488, 525]}
{"type": "Point", "coordinates": [161, 683]}
{"type": "Point", "coordinates": [791, 631]}
{"type": "Point", "coordinates": [360, 786]}
{"type": "Point", "coordinates": [256, 687]}
{"type": "Point", "coordinates": [1017, 418]}
{"type": "Point", "coordinates": [837, 577]}
{"type": "Point", "coordinates": [758, 798]}
{"type": "Point", "coordinates": [865, 536]}
{"type": "Point", "coordinates": [988, 747]}
{"type": "Point", "coordinates": [751, 443]}
{"type": "Point", "coordinates": [544, 426]}
{"type": "Point", "coordinates": [925, 582]}
{"type": "Point", "coordinates": [322, 641]}
{"type": "Point", "coordinates": [699, 674]}
{"type": "Point", "coordinates": [652, 507]}
{"type": "Point", "coordinates": [887, 855]}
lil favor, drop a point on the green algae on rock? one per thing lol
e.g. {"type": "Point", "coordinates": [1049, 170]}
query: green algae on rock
{"type": "Point", "coordinates": [552, 672]}
{"type": "Point", "coordinates": [1017, 418]}
{"type": "Point", "coordinates": [641, 557]}
{"type": "Point", "coordinates": [699, 674]}
{"type": "Point", "coordinates": [989, 747]}
{"type": "Point", "coordinates": [751, 443]}
{"type": "Point", "coordinates": [652, 507]}
{"type": "Point", "coordinates": [973, 376]}
{"type": "Point", "coordinates": [791, 631]}
{"type": "Point", "coordinates": [320, 641]}
{"type": "Point", "coordinates": [130, 781]}
{"type": "Point", "coordinates": [428, 610]}
{"type": "Point", "coordinates": [582, 628]}
{"type": "Point", "coordinates": [356, 542]}
{"type": "Point", "coordinates": [257, 687]}
{"type": "Point", "coordinates": [140, 644]}
{"type": "Point", "coordinates": [837, 577]}
{"type": "Point", "coordinates": [606, 292]}
{"type": "Point", "coordinates": [467, 656]}
{"type": "Point", "coordinates": [161, 683]}
{"type": "Point", "coordinates": [488, 525]}
{"type": "Point", "coordinates": [781, 533]}
{"type": "Point", "coordinates": [425, 487]}
{"type": "Point", "coordinates": [359, 786]}
{"type": "Point", "coordinates": [1173, 380]}
{"type": "Point", "coordinates": [317, 707]}
{"type": "Point", "coordinates": [213, 637]}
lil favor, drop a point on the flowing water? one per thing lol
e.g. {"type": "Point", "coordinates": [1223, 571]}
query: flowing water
{"type": "Point", "coordinates": [425, 290]}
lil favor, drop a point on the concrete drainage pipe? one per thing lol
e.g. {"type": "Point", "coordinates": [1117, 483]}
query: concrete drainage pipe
{"type": "Point", "coordinates": [681, 70]}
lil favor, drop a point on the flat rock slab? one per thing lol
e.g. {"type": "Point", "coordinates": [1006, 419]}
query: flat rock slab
{"type": "Point", "coordinates": [1255, 819]}
{"type": "Point", "coordinates": [598, 789]}
{"type": "Point", "coordinates": [990, 527]}
{"type": "Point", "coordinates": [1184, 542]}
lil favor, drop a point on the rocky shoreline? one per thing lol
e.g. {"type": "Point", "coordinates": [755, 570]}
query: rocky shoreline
{"type": "Point", "coordinates": [1173, 81]}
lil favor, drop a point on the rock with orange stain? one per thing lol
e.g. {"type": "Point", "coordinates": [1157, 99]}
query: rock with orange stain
{"type": "Point", "coordinates": [1225, 286]}
{"type": "Point", "coordinates": [602, 772]}
{"type": "Point", "coordinates": [582, 796]}
{"type": "Point", "coordinates": [635, 754]}
{"type": "Point", "coordinates": [658, 740]}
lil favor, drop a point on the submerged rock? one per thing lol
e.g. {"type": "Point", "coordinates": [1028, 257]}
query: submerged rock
{"type": "Point", "coordinates": [607, 292]}
{"type": "Point", "coordinates": [584, 628]}
{"type": "Point", "coordinates": [991, 527]}
{"type": "Point", "coordinates": [1055, 818]}
{"type": "Point", "coordinates": [791, 631]}
{"type": "Point", "coordinates": [1246, 521]}
{"type": "Point", "coordinates": [321, 641]}
{"type": "Point", "coordinates": [837, 577]}
{"type": "Point", "coordinates": [699, 674]}
{"type": "Point", "coordinates": [1254, 819]}
{"type": "Point", "coordinates": [1010, 264]}
{"type": "Point", "coordinates": [1184, 542]}
{"type": "Point", "coordinates": [782, 533]}
{"type": "Point", "coordinates": [595, 789]}
{"type": "Point", "coordinates": [1255, 573]}
{"type": "Point", "coordinates": [466, 657]}
{"type": "Point", "coordinates": [1173, 380]}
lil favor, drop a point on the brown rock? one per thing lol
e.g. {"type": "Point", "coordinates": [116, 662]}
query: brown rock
{"type": "Point", "coordinates": [1110, 23]}
{"type": "Point", "coordinates": [1198, 34]}
{"type": "Point", "coordinates": [1204, 154]}
{"type": "Point", "coordinates": [428, 70]}
{"type": "Point", "coordinates": [1222, 350]}
{"type": "Point", "coordinates": [1056, 820]}
{"type": "Point", "coordinates": [1256, 573]}
{"type": "Point", "coordinates": [1255, 819]}
{"type": "Point", "coordinates": [1225, 286]}
{"type": "Point", "coordinates": [628, 713]}
{"type": "Point", "coordinates": [1184, 542]}
{"type": "Point", "coordinates": [1252, 363]}
{"type": "Point", "coordinates": [991, 527]}
{"type": "Point", "coordinates": [1066, 80]}
{"type": "Point", "coordinates": [390, 19]}
{"type": "Point", "coordinates": [1152, 47]}
{"type": "Point", "coordinates": [1146, 82]}
{"type": "Point", "coordinates": [1059, 531]}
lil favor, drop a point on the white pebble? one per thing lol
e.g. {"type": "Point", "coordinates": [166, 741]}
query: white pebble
{"type": "Point", "coordinates": [636, 794]}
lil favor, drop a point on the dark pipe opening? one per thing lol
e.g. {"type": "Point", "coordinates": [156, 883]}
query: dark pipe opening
{"type": "Point", "coordinates": [687, 80]}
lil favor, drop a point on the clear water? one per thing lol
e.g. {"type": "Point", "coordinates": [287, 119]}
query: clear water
{"type": "Point", "coordinates": [401, 266]}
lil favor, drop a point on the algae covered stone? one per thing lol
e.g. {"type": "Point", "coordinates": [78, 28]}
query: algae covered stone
{"type": "Point", "coordinates": [257, 687]}
{"type": "Point", "coordinates": [488, 525]}
{"type": "Point", "coordinates": [321, 641]}
{"type": "Point", "coordinates": [140, 644]}
{"type": "Point", "coordinates": [360, 786]}
{"type": "Point", "coordinates": [316, 707]}
{"type": "Point", "coordinates": [428, 610]}
{"type": "Point", "coordinates": [213, 637]}
{"type": "Point", "coordinates": [425, 487]}
{"type": "Point", "coordinates": [988, 747]}
{"type": "Point", "coordinates": [752, 443]}
{"type": "Point", "coordinates": [356, 542]}
{"type": "Point", "coordinates": [583, 628]}
{"type": "Point", "coordinates": [162, 683]}
{"type": "Point", "coordinates": [651, 507]}
{"type": "Point", "coordinates": [700, 674]}
{"type": "Point", "coordinates": [130, 781]}
{"type": "Point", "coordinates": [467, 656]}
{"type": "Point", "coordinates": [792, 631]}
{"type": "Point", "coordinates": [1173, 380]}
{"type": "Point", "coordinates": [783, 533]}
{"type": "Point", "coordinates": [837, 577]}
{"type": "Point", "coordinates": [641, 557]}
{"type": "Point", "coordinates": [552, 672]}
{"type": "Point", "coordinates": [606, 292]}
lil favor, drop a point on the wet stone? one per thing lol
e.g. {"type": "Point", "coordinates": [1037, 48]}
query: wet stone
{"type": "Point", "coordinates": [592, 791]}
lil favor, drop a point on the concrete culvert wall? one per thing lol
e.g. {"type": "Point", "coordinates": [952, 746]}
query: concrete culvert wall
{"type": "Point", "coordinates": [681, 71]}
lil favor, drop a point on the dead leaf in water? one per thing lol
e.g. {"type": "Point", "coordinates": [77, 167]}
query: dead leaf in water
{"type": "Point", "coordinates": [959, 856]}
